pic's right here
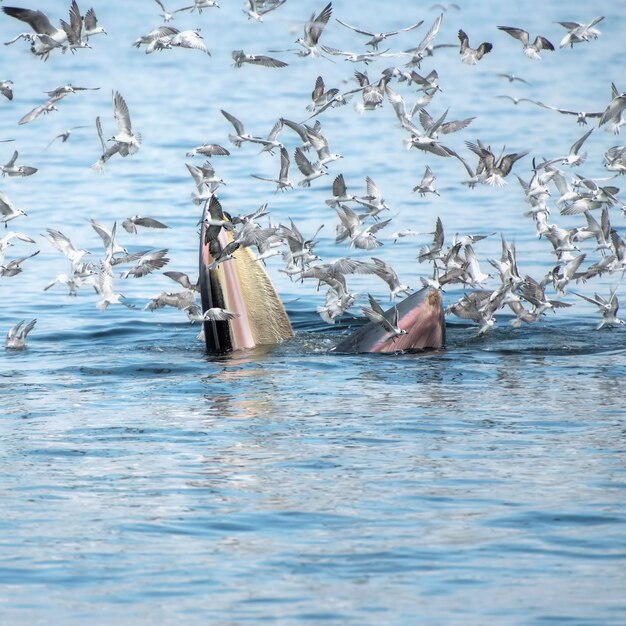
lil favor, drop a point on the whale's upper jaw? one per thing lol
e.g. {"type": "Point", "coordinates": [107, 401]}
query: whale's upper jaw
{"type": "Point", "coordinates": [420, 314]}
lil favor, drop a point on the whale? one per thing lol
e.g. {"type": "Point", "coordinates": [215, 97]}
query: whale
{"type": "Point", "coordinates": [242, 285]}
{"type": "Point", "coordinates": [420, 314]}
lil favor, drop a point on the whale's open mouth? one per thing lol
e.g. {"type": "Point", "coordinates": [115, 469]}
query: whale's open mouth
{"type": "Point", "coordinates": [241, 285]}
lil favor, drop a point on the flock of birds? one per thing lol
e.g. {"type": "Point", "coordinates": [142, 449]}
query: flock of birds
{"type": "Point", "coordinates": [360, 218]}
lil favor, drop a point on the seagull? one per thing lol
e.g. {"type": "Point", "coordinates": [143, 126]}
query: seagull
{"type": "Point", "coordinates": [419, 53]}
{"type": "Point", "coordinates": [208, 149]}
{"type": "Point", "coordinates": [74, 30]}
{"type": "Point", "coordinates": [445, 8]}
{"type": "Point", "coordinates": [73, 283]}
{"type": "Point", "coordinates": [199, 5]}
{"type": "Point", "coordinates": [214, 314]}
{"type": "Point", "coordinates": [166, 15]}
{"type": "Point", "coordinates": [495, 170]}
{"type": "Point", "coordinates": [373, 200]}
{"type": "Point", "coordinates": [401, 234]}
{"type": "Point", "coordinates": [535, 293]}
{"type": "Point", "coordinates": [46, 107]}
{"type": "Point", "coordinates": [179, 300]}
{"type": "Point", "coordinates": [54, 96]}
{"type": "Point", "coordinates": [300, 249]}
{"type": "Point", "coordinates": [319, 96]}
{"type": "Point", "coordinates": [320, 145]}
{"type": "Point", "coordinates": [161, 33]}
{"type": "Point", "coordinates": [128, 141]}
{"type": "Point", "coordinates": [13, 267]}
{"type": "Point", "coordinates": [389, 275]}
{"type": "Point", "coordinates": [354, 57]}
{"type": "Point", "coordinates": [440, 127]}
{"type": "Point", "coordinates": [183, 280]}
{"type": "Point", "coordinates": [574, 158]}
{"type": "Point", "coordinates": [427, 183]}
{"type": "Point", "coordinates": [6, 89]}
{"type": "Point", "coordinates": [608, 308]}
{"type": "Point", "coordinates": [376, 314]}
{"type": "Point", "coordinates": [47, 36]}
{"type": "Point", "coordinates": [64, 245]}
{"type": "Point", "coordinates": [340, 193]}
{"type": "Point", "coordinates": [148, 262]}
{"type": "Point", "coordinates": [427, 83]}
{"type": "Point", "coordinates": [512, 78]}
{"type": "Point", "coordinates": [372, 93]}
{"type": "Point", "coordinates": [581, 116]}
{"type": "Point", "coordinates": [577, 32]}
{"type": "Point", "coordinates": [107, 151]}
{"type": "Point", "coordinates": [600, 231]}
{"type": "Point", "coordinates": [241, 135]}
{"type": "Point", "coordinates": [189, 39]}
{"type": "Point", "coordinates": [311, 171]}
{"type": "Point", "coordinates": [6, 240]}
{"type": "Point", "coordinates": [108, 239]}
{"type": "Point", "coordinates": [432, 252]}
{"type": "Point", "coordinates": [64, 136]}
{"type": "Point", "coordinates": [313, 30]}
{"type": "Point", "coordinates": [364, 239]}
{"type": "Point", "coordinates": [562, 275]}
{"type": "Point", "coordinates": [613, 115]}
{"type": "Point", "coordinates": [90, 24]}
{"type": "Point", "coordinates": [130, 224]}
{"type": "Point", "coordinates": [282, 182]}
{"type": "Point", "coordinates": [426, 141]}
{"type": "Point", "coordinates": [256, 12]}
{"type": "Point", "coordinates": [615, 159]}
{"type": "Point", "coordinates": [475, 306]}
{"type": "Point", "coordinates": [377, 38]}
{"type": "Point", "coordinates": [471, 56]}
{"type": "Point", "coordinates": [10, 169]}
{"type": "Point", "coordinates": [240, 57]}
{"type": "Point", "coordinates": [104, 287]}
{"type": "Point", "coordinates": [335, 305]}
{"type": "Point", "coordinates": [16, 337]}
{"type": "Point", "coordinates": [206, 181]}
{"type": "Point", "coordinates": [8, 211]}
{"type": "Point", "coordinates": [515, 100]}
{"type": "Point", "coordinates": [531, 50]}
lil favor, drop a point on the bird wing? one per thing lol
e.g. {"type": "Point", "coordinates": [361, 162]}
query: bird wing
{"type": "Point", "coordinates": [37, 20]}
{"type": "Point", "coordinates": [517, 33]}
{"type": "Point", "coordinates": [38, 110]}
{"type": "Point", "coordinates": [121, 114]}
{"type": "Point", "coordinates": [542, 43]}
{"type": "Point", "coordinates": [578, 144]}
{"type": "Point", "coordinates": [313, 29]}
{"type": "Point", "coordinates": [149, 222]}
{"type": "Point", "coordinates": [91, 21]}
{"type": "Point", "coordinates": [339, 186]}
{"type": "Point", "coordinates": [239, 129]}
{"type": "Point", "coordinates": [356, 30]}
{"type": "Point", "coordinates": [304, 165]}
{"type": "Point", "coordinates": [284, 163]}
{"type": "Point", "coordinates": [12, 160]}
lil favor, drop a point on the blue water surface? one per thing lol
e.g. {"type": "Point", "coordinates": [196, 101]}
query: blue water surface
{"type": "Point", "coordinates": [146, 482]}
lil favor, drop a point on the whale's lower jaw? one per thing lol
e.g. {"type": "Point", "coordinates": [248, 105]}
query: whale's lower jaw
{"type": "Point", "coordinates": [421, 315]}
{"type": "Point", "coordinates": [240, 285]}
